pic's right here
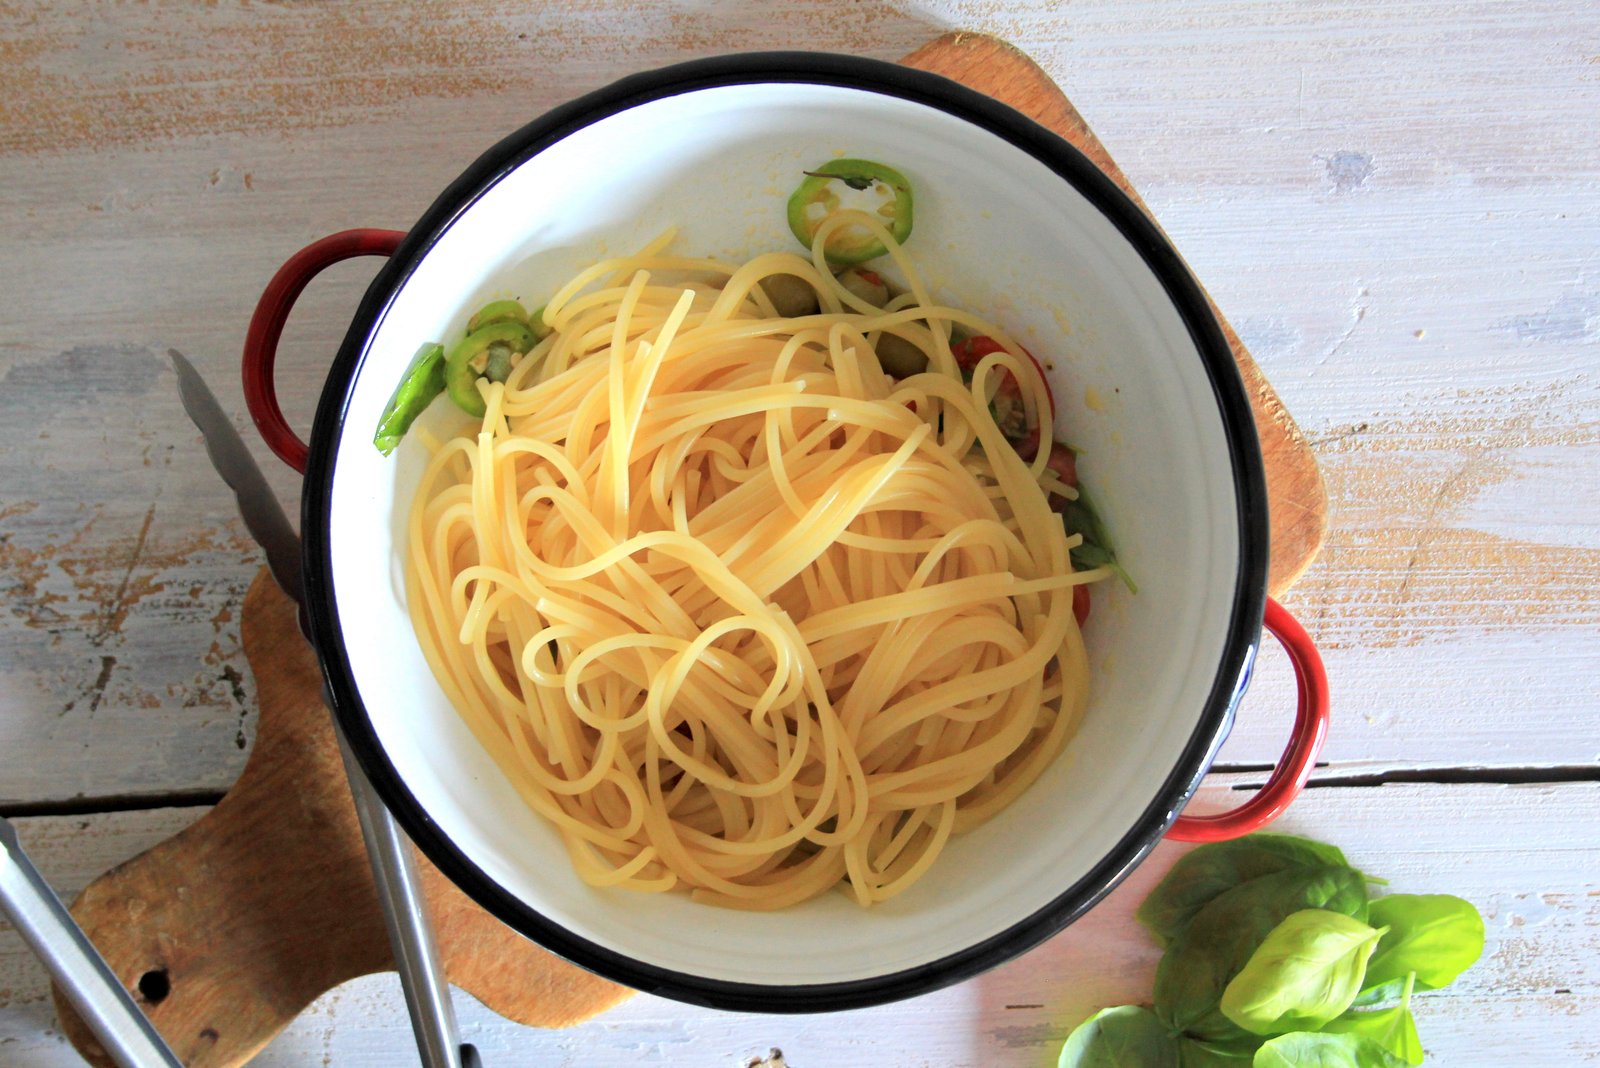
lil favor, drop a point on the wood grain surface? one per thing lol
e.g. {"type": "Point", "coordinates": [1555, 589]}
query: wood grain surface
{"type": "Point", "coordinates": [266, 903]}
{"type": "Point", "coordinates": [1397, 206]}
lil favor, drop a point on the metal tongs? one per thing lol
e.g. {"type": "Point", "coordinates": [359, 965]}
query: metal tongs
{"type": "Point", "coordinates": [405, 909]}
{"type": "Point", "coordinates": [94, 990]}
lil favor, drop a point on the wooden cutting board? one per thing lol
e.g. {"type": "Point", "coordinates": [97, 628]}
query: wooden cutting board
{"type": "Point", "coordinates": [227, 931]}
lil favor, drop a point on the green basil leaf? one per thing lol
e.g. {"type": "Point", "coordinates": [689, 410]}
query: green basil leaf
{"type": "Point", "coordinates": [1080, 517]}
{"type": "Point", "coordinates": [1127, 1036]}
{"type": "Point", "coordinates": [1382, 994]}
{"type": "Point", "coordinates": [1305, 972]}
{"type": "Point", "coordinates": [1089, 555]}
{"type": "Point", "coordinates": [1437, 936]}
{"type": "Point", "coordinates": [1222, 936]}
{"type": "Point", "coordinates": [1203, 873]}
{"type": "Point", "coordinates": [1303, 1049]}
{"type": "Point", "coordinates": [1394, 1029]}
{"type": "Point", "coordinates": [1192, 1053]}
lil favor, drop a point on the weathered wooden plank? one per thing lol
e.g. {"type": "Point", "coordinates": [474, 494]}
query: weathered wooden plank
{"type": "Point", "coordinates": [1536, 989]}
{"type": "Point", "coordinates": [1399, 87]}
{"type": "Point", "coordinates": [1376, 171]}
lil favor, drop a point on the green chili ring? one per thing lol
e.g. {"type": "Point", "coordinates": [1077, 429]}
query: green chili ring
{"type": "Point", "coordinates": [857, 174]}
{"type": "Point", "coordinates": [536, 323]}
{"type": "Point", "coordinates": [497, 311]}
{"type": "Point", "coordinates": [461, 377]}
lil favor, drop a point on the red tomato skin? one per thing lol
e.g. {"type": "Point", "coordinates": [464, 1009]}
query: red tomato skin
{"type": "Point", "coordinates": [1064, 462]}
{"type": "Point", "coordinates": [969, 351]}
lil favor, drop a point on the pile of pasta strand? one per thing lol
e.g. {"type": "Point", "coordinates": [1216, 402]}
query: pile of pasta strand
{"type": "Point", "coordinates": [732, 608]}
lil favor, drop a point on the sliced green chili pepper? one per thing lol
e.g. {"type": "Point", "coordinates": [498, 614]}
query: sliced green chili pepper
{"type": "Point", "coordinates": [498, 366]}
{"type": "Point", "coordinates": [497, 311]}
{"type": "Point", "coordinates": [820, 191]}
{"type": "Point", "coordinates": [509, 311]}
{"type": "Point", "coordinates": [463, 367]}
{"type": "Point", "coordinates": [423, 381]}
{"type": "Point", "coordinates": [537, 324]}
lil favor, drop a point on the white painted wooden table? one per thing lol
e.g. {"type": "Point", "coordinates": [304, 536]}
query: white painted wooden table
{"type": "Point", "coordinates": [1397, 204]}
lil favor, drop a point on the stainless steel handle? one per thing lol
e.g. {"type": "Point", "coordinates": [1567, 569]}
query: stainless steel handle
{"type": "Point", "coordinates": [55, 937]}
{"type": "Point", "coordinates": [405, 912]}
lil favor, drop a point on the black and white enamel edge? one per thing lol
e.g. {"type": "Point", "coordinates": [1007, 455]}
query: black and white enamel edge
{"type": "Point", "coordinates": [1238, 425]}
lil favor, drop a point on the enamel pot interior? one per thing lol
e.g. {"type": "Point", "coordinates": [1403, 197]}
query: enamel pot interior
{"type": "Point", "coordinates": [1009, 222]}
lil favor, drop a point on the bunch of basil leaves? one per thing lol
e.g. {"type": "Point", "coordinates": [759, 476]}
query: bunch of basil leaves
{"type": "Point", "coordinates": [1276, 957]}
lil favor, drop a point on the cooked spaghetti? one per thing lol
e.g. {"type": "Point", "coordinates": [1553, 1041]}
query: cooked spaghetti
{"type": "Point", "coordinates": [732, 608]}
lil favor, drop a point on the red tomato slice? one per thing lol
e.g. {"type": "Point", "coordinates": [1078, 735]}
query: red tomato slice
{"type": "Point", "coordinates": [1080, 602]}
{"type": "Point", "coordinates": [1064, 462]}
{"type": "Point", "coordinates": [970, 351]}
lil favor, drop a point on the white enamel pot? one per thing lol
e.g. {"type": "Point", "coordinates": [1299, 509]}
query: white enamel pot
{"type": "Point", "coordinates": [1010, 221]}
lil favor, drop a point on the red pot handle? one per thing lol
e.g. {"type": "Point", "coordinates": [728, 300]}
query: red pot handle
{"type": "Point", "coordinates": [266, 327]}
{"type": "Point", "coordinates": [1294, 766]}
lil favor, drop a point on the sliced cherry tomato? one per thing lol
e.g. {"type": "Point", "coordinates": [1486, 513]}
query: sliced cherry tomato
{"type": "Point", "coordinates": [969, 351]}
{"type": "Point", "coordinates": [1009, 410]}
{"type": "Point", "coordinates": [1080, 602]}
{"type": "Point", "coordinates": [1064, 463]}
